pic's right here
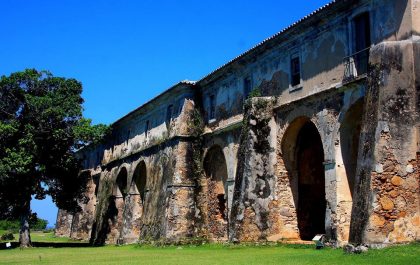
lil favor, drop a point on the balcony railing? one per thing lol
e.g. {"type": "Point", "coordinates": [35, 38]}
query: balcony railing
{"type": "Point", "coordinates": [356, 65]}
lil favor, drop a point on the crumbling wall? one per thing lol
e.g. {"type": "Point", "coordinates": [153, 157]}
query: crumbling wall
{"type": "Point", "coordinates": [180, 200]}
{"type": "Point", "coordinates": [63, 223]}
{"type": "Point", "coordinates": [167, 210]}
{"type": "Point", "coordinates": [214, 194]}
{"type": "Point", "coordinates": [254, 207]}
{"type": "Point", "coordinates": [104, 212]}
{"type": "Point", "coordinates": [181, 212]}
{"type": "Point", "coordinates": [83, 220]}
{"type": "Point", "coordinates": [325, 111]}
{"type": "Point", "coordinates": [133, 212]}
{"type": "Point", "coordinates": [181, 204]}
{"type": "Point", "coordinates": [161, 166]}
{"type": "Point", "coordinates": [78, 225]}
{"type": "Point", "coordinates": [387, 208]}
{"type": "Point", "coordinates": [346, 147]}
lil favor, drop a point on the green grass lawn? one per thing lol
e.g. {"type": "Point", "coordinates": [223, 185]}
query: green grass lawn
{"type": "Point", "coordinates": [40, 236]}
{"type": "Point", "coordinates": [209, 254]}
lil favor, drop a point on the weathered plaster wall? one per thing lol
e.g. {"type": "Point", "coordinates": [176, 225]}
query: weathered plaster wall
{"type": "Point", "coordinates": [368, 132]}
{"type": "Point", "coordinates": [211, 225]}
{"type": "Point", "coordinates": [169, 193]}
{"type": "Point", "coordinates": [253, 215]}
{"type": "Point", "coordinates": [387, 208]}
{"type": "Point", "coordinates": [324, 112]}
{"type": "Point", "coordinates": [83, 220]}
{"type": "Point", "coordinates": [415, 16]}
{"type": "Point", "coordinates": [129, 136]}
{"type": "Point", "coordinates": [63, 224]}
{"type": "Point", "coordinates": [395, 179]}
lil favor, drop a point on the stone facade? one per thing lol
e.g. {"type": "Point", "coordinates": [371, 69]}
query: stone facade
{"type": "Point", "coordinates": [313, 131]}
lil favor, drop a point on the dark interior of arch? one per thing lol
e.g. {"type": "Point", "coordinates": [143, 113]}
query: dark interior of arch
{"type": "Point", "coordinates": [349, 139]}
{"type": "Point", "coordinates": [139, 180]}
{"type": "Point", "coordinates": [122, 182]}
{"type": "Point", "coordinates": [311, 182]}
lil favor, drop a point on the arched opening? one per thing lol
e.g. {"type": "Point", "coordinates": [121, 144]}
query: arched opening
{"type": "Point", "coordinates": [116, 206]}
{"type": "Point", "coordinates": [216, 173]}
{"type": "Point", "coordinates": [349, 139]}
{"type": "Point", "coordinates": [311, 205]}
{"type": "Point", "coordinates": [134, 205]}
{"type": "Point", "coordinates": [138, 184]}
{"type": "Point", "coordinates": [304, 157]}
{"type": "Point", "coordinates": [121, 187]}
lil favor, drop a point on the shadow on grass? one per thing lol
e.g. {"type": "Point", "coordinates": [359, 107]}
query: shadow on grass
{"type": "Point", "coordinates": [48, 245]}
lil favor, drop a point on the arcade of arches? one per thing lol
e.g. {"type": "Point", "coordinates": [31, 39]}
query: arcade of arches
{"type": "Point", "coordinates": [301, 183]}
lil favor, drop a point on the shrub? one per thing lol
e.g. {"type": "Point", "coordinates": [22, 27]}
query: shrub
{"type": "Point", "coordinates": [256, 92]}
{"type": "Point", "coordinates": [7, 236]}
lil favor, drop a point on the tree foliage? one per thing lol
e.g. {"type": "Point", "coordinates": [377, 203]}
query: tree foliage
{"type": "Point", "coordinates": [14, 225]}
{"type": "Point", "coordinates": [41, 127]}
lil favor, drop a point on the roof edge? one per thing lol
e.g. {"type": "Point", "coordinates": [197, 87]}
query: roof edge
{"type": "Point", "coordinates": [267, 40]}
{"type": "Point", "coordinates": [183, 82]}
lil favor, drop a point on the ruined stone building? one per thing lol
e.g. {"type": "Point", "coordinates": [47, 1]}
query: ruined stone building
{"type": "Point", "coordinates": [313, 131]}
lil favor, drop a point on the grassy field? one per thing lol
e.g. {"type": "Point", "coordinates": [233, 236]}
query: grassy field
{"type": "Point", "coordinates": [40, 236]}
{"type": "Point", "coordinates": [209, 254]}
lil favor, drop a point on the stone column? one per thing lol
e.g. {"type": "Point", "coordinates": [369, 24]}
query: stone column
{"type": "Point", "coordinates": [63, 225]}
{"type": "Point", "coordinates": [132, 218]}
{"type": "Point", "coordinates": [180, 214]}
{"type": "Point", "coordinates": [83, 220]}
{"type": "Point", "coordinates": [386, 205]}
{"type": "Point", "coordinates": [254, 214]}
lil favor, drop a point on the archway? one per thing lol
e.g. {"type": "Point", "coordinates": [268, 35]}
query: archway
{"type": "Point", "coordinates": [349, 139]}
{"type": "Point", "coordinates": [304, 157]}
{"type": "Point", "coordinates": [121, 187]}
{"type": "Point", "coordinates": [117, 206]}
{"type": "Point", "coordinates": [134, 204]}
{"type": "Point", "coordinates": [217, 206]}
{"type": "Point", "coordinates": [311, 174]}
{"type": "Point", "coordinates": [138, 184]}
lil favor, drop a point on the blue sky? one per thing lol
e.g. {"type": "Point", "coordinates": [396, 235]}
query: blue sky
{"type": "Point", "coordinates": [126, 52]}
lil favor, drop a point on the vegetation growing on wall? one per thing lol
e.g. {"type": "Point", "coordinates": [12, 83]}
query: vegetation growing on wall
{"type": "Point", "coordinates": [254, 149]}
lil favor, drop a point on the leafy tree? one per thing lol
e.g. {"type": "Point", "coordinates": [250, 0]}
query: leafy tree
{"type": "Point", "coordinates": [41, 127]}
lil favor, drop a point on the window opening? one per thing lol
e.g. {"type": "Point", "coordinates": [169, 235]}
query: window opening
{"type": "Point", "coordinates": [247, 87]}
{"type": "Point", "coordinates": [295, 70]}
{"type": "Point", "coordinates": [169, 112]}
{"type": "Point", "coordinates": [212, 113]}
{"type": "Point", "coordinates": [146, 131]}
{"type": "Point", "coordinates": [362, 42]}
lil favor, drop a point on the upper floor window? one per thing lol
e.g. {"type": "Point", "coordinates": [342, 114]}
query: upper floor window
{"type": "Point", "coordinates": [212, 108]}
{"type": "Point", "coordinates": [169, 113]}
{"type": "Point", "coordinates": [295, 69]}
{"type": "Point", "coordinates": [247, 86]}
{"type": "Point", "coordinates": [362, 42]}
{"type": "Point", "coordinates": [147, 128]}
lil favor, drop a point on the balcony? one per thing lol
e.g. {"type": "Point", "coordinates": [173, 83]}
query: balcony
{"type": "Point", "coordinates": [356, 65]}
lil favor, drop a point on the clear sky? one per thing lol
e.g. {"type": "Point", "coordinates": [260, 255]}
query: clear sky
{"type": "Point", "coordinates": [126, 52]}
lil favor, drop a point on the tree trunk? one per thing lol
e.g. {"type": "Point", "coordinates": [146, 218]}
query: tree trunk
{"type": "Point", "coordinates": [24, 233]}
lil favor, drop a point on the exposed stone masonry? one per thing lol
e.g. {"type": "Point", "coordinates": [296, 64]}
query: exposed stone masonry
{"type": "Point", "coordinates": [245, 154]}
